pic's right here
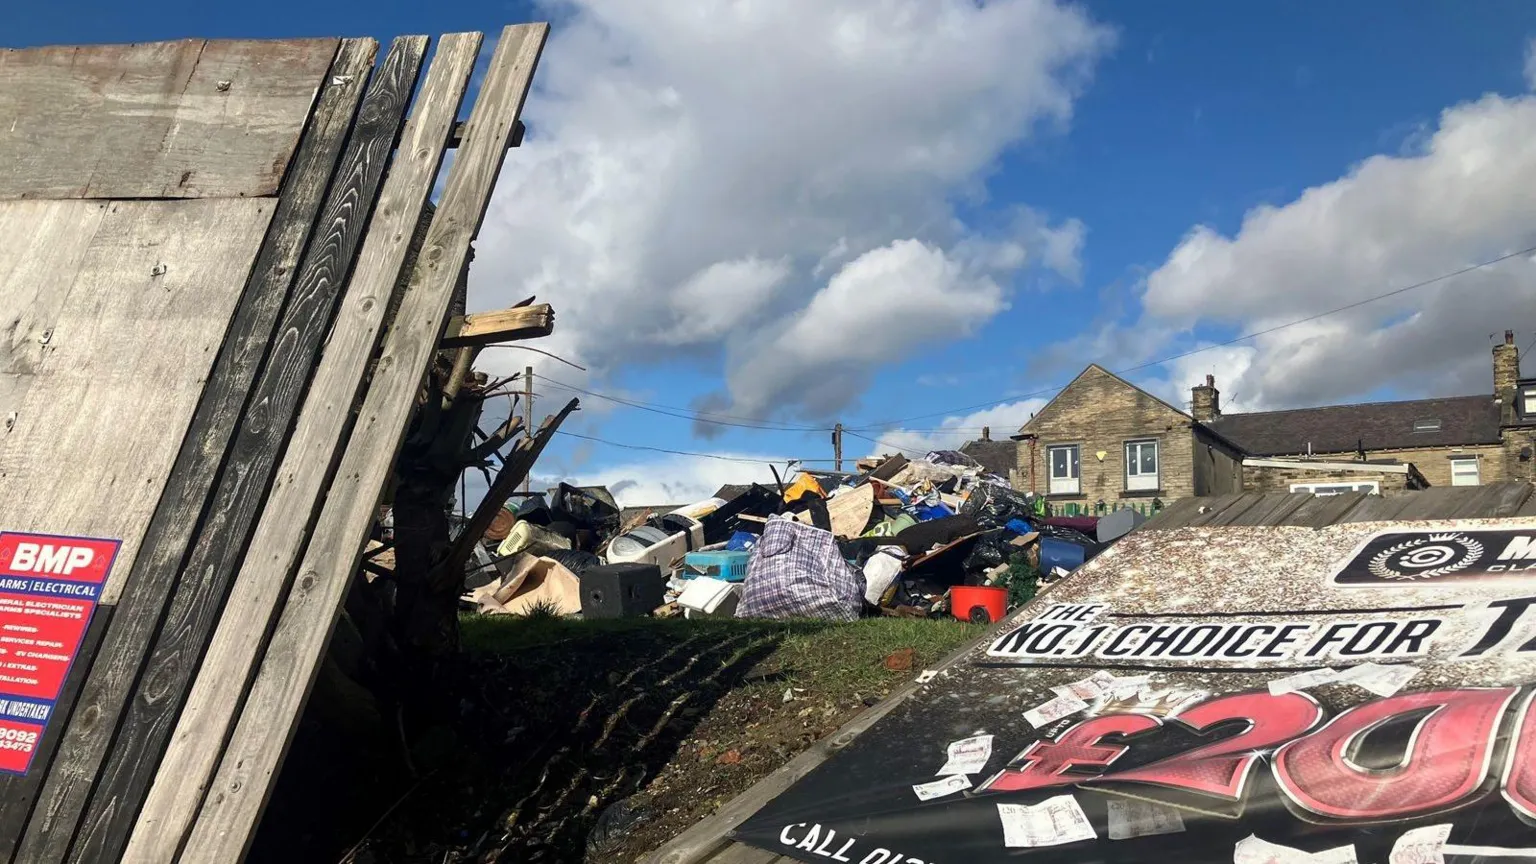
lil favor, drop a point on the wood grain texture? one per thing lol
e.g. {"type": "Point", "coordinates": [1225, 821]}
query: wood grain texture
{"type": "Point", "coordinates": [1495, 501]}
{"type": "Point", "coordinates": [1378, 508]}
{"type": "Point", "coordinates": [201, 453]}
{"type": "Point", "coordinates": [110, 405]}
{"type": "Point", "coordinates": [203, 581]}
{"type": "Point", "coordinates": [189, 119]}
{"type": "Point", "coordinates": [41, 246]}
{"type": "Point", "coordinates": [1175, 515]}
{"type": "Point", "coordinates": [255, 752]}
{"type": "Point", "coordinates": [1436, 503]}
{"type": "Point", "coordinates": [307, 463]}
{"type": "Point", "coordinates": [505, 325]}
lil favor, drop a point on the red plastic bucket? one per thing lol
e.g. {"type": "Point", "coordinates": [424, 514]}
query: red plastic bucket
{"type": "Point", "coordinates": [982, 604]}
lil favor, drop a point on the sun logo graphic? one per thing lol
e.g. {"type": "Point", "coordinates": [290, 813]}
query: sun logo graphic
{"type": "Point", "coordinates": [1426, 557]}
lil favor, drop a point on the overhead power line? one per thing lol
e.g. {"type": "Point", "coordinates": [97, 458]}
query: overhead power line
{"type": "Point", "coordinates": [690, 414]}
{"type": "Point", "coordinates": [1243, 338]}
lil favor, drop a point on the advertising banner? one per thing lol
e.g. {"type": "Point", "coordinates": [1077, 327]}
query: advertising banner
{"type": "Point", "coordinates": [48, 591]}
{"type": "Point", "coordinates": [1360, 693]}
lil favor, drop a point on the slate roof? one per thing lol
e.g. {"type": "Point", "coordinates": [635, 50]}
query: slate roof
{"type": "Point", "coordinates": [997, 457]}
{"type": "Point", "coordinates": [1464, 420]}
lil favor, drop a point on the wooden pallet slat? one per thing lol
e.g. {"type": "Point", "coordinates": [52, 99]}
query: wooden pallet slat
{"type": "Point", "coordinates": [279, 538]}
{"type": "Point", "coordinates": [1320, 511]}
{"type": "Point", "coordinates": [197, 601]}
{"type": "Point", "coordinates": [250, 762]}
{"type": "Point", "coordinates": [188, 119]}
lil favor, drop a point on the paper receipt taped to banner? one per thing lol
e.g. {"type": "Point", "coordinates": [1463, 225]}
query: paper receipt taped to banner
{"type": "Point", "coordinates": [968, 755]}
{"type": "Point", "coordinates": [1421, 845]}
{"type": "Point", "coordinates": [1378, 679]}
{"type": "Point", "coordinates": [1052, 822]}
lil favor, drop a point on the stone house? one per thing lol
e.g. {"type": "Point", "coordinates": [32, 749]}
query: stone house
{"type": "Point", "coordinates": [1104, 442]}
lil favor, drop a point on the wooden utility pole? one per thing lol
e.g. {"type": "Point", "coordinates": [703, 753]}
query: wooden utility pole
{"type": "Point", "coordinates": [527, 414]}
{"type": "Point", "coordinates": [837, 447]}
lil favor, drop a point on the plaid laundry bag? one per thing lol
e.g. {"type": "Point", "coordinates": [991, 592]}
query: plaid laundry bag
{"type": "Point", "coordinates": [797, 571]}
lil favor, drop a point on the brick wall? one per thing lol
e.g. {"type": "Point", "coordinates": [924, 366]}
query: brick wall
{"type": "Point", "coordinates": [1256, 479]}
{"type": "Point", "coordinates": [1435, 462]}
{"type": "Point", "coordinates": [1100, 413]}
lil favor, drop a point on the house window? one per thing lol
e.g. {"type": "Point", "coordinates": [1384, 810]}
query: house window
{"type": "Point", "coordinates": [1464, 472]}
{"type": "Point", "coordinates": [1426, 425]}
{"type": "Point", "coordinates": [1528, 402]}
{"type": "Point", "coordinates": [1065, 469]}
{"type": "Point", "coordinates": [1325, 489]}
{"type": "Point", "coordinates": [1140, 465]}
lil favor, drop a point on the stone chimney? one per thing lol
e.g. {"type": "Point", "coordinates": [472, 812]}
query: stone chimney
{"type": "Point", "coordinates": [1506, 374]}
{"type": "Point", "coordinates": [1206, 405]}
{"type": "Point", "coordinates": [986, 433]}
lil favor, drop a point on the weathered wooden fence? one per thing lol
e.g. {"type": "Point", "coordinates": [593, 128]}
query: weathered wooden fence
{"type": "Point", "coordinates": [198, 243]}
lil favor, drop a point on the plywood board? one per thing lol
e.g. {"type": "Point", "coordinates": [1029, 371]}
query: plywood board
{"type": "Point", "coordinates": [41, 246]}
{"type": "Point", "coordinates": [94, 437]}
{"type": "Point", "coordinates": [187, 119]}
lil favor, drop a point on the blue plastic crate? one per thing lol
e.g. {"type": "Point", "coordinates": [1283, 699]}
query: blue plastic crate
{"type": "Point", "coordinates": [728, 566]}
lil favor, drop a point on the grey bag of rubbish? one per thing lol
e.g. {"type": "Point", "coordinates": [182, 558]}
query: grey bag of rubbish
{"type": "Point", "coordinates": [797, 571]}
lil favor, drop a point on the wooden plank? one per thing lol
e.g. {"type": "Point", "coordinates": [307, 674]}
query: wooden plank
{"type": "Point", "coordinates": [42, 244]}
{"type": "Point", "coordinates": [456, 137]}
{"type": "Point", "coordinates": [138, 331]}
{"type": "Point", "coordinates": [1223, 507]}
{"type": "Point", "coordinates": [1379, 508]}
{"type": "Point", "coordinates": [505, 325]}
{"type": "Point", "coordinates": [1494, 501]}
{"type": "Point", "coordinates": [1272, 509]}
{"type": "Point", "coordinates": [1529, 507]}
{"type": "Point", "coordinates": [1320, 511]}
{"type": "Point", "coordinates": [189, 119]}
{"type": "Point", "coordinates": [280, 535]}
{"type": "Point", "coordinates": [197, 601]}
{"type": "Point", "coordinates": [1437, 503]}
{"type": "Point", "coordinates": [1177, 514]}
{"type": "Point", "coordinates": [255, 751]}
{"type": "Point", "coordinates": [222, 401]}
{"type": "Point", "coordinates": [192, 476]}
{"type": "Point", "coordinates": [90, 447]}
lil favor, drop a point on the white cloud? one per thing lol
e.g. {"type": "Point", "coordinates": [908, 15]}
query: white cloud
{"type": "Point", "coordinates": [1390, 222]}
{"type": "Point", "coordinates": [1530, 63]}
{"type": "Point", "coordinates": [702, 175]}
{"type": "Point", "coordinates": [951, 432]}
{"type": "Point", "coordinates": [877, 308]}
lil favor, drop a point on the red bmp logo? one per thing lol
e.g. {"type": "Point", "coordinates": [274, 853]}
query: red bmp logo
{"type": "Point", "coordinates": [77, 559]}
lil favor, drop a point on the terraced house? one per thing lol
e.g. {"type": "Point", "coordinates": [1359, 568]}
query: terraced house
{"type": "Point", "coordinates": [1104, 443]}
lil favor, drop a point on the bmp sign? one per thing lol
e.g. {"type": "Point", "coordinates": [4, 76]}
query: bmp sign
{"type": "Point", "coordinates": [69, 558]}
{"type": "Point", "coordinates": [1437, 557]}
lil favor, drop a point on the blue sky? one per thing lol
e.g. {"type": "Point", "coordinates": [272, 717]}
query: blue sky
{"type": "Point", "coordinates": [792, 214]}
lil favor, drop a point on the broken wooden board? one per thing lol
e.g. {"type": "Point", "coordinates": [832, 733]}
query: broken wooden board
{"type": "Point", "coordinates": [848, 512]}
{"type": "Point", "coordinates": [189, 119]}
{"type": "Point", "coordinates": [504, 325]}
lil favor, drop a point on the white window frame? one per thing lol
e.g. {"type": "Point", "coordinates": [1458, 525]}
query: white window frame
{"type": "Point", "coordinates": [1324, 490]}
{"type": "Point", "coordinates": [1072, 482]}
{"type": "Point", "coordinates": [1462, 477]}
{"type": "Point", "coordinates": [1135, 481]}
{"type": "Point", "coordinates": [1528, 397]}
